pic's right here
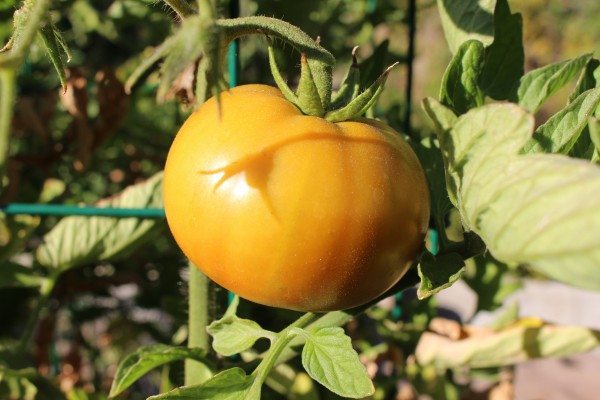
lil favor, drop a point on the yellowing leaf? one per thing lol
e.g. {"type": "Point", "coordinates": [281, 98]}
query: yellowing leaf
{"type": "Point", "coordinates": [518, 343]}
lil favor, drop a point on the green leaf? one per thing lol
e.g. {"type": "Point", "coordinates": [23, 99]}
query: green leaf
{"type": "Point", "coordinates": [460, 88]}
{"type": "Point", "coordinates": [538, 85]}
{"type": "Point", "coordinates": [589, 79]}
{"type": "Point", "coordinates": [505, 58]}
{"type": "Point", "coordinates": [329, 359]}
{"type": "Point", "coordinates": [443, 119]}
{"type": "Point", "coordinates": [431, 159]}
{"type": "Point", "coordinates": [438, 273]}
{"type": "Point", "coordinates": [231, 384]}
{"type": "Point", "coordinates": [583, 147]}
{"type": "Point", "coordinates": [547, 216]}
{"type": "Point", "coordinates": [232, 335]}
{"type": "Point", "coordinates": [561, 131]}
{"type": "Point", "coordinates": [79, 240]}
{"type": "Point", "coordinates": [15, 275]}
{"type": "Point", "coordinates": [55, 47]}
{"type": "Point", "coordinates": [492, 280]}
{"type": "Point", "coordinates": [526, 340]}
{"type": "Point", "coordinates": [528, 209]}
{"type": "Point", "coordinates": [467, 19]}
{"type": "Point", "coordinates": [340, 318]}
{"type": "Point", "coordinates": [478, 148]}
{"type": "Point", "coordinates": [145, 359]}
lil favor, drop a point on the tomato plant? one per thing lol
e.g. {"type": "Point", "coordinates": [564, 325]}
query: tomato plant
{"type": "Point", "coordinates": [308, 196]}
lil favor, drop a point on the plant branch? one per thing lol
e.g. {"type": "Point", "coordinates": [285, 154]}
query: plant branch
{"type": "Point", "coordinates": [279, 345]}
{"type": "Point", "coordinates": [38, 9]}
{"type": "Point", "coordinates": [7, 100]}
{"type": "Point", "coordinates": [237, 27]}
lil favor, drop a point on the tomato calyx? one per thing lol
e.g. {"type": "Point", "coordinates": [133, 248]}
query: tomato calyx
{"type": "Point", "coordinates": [313, 99]}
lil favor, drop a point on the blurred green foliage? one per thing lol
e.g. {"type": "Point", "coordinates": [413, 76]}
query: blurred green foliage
{"type": "Point", "coordinates": [97, 140]}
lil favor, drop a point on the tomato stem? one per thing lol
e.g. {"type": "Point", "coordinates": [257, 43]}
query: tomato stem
{"type": "Point", "coordinates": [7, 99]}
{"type": "Point", "coordinates": [198, 319]}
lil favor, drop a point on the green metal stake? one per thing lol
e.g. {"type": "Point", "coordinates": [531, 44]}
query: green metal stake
{"type": "Point", "coordinates": [412, 28]}
{"type": "Point", "coordinates": [232, 53]}
{"type": "Point", "coordinates": [90, 211]}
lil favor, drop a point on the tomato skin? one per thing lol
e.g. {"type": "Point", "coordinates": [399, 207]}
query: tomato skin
{"type": "Point", "coordinates": [292, 211]}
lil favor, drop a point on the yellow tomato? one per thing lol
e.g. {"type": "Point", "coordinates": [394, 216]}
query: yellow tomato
{"type": "Point", "coordinates": [290, 210]}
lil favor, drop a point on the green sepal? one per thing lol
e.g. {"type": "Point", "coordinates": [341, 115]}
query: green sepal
{"type": "Point", "coordinates": [350, 87]}
{"type": "Point", "coordinates": [322, 77]}
{"type": "Point", "coordinates": [320, 60]}
{"type": "Point", "coordinates": [279, 80]}
{"type": "Point", "coordinates": [308, 96]}
{"type": "Point", "coordinates": [361, 103]}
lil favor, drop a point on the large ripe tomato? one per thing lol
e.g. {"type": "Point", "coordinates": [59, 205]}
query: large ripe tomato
{"type": "Point", "coordinates": [290, 210]}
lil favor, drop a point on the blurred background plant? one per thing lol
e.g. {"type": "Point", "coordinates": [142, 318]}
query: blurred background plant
{"type": "Point", "coordinates": [94, 140]}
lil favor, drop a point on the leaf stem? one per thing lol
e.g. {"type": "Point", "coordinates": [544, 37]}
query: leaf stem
{"type": "Point", "coordinates": [237, 27]}
{"type": "Point", "coordinates": [279, 344]}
